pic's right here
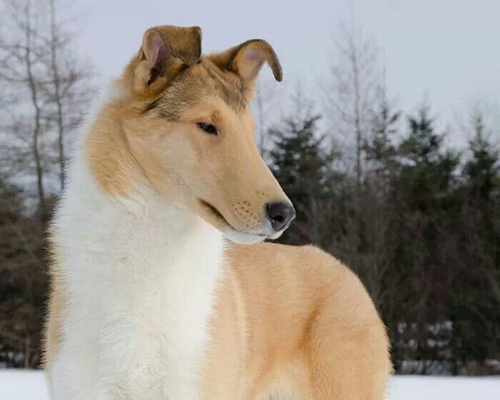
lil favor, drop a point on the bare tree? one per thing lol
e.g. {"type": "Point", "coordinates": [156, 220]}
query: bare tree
{"type": "Point", "coordinates": [69, 83]}
{"type": "Point", "coordinates": [56, 80]}
{"type": "Point", "coordinates": [50, 89]}
{"type": "Point", "coordinates": [20, 64]}
{"type": "Point", "coordinates": [350, 96]}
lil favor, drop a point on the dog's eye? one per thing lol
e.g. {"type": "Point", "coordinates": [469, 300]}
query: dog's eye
{"type": "Point", "coordinates": [208, 128]}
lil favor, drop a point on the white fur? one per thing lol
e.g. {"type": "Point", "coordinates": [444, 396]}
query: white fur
{"type": "Point", "coordinates": [141, 275]}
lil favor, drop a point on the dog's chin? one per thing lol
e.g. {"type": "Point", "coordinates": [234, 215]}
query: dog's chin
{"type": "Point", "coordinates": [277, 235]}
{"type": "Point", "coordinates": [241, 237]}
{"type": "Point", "coordinates": [249, 237]}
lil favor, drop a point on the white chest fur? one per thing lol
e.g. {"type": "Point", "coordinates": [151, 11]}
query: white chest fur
{"type": "Point", "coordinates": [141, 277]}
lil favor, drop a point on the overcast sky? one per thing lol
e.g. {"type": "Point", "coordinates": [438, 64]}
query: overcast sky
{"type": "Point", "coordinates": [447, 50]}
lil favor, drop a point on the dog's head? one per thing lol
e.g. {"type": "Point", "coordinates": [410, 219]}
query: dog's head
{"type": "Point", "coordinates": [188, 129]}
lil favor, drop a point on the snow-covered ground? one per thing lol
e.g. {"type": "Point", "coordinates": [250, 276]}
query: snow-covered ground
{"type": "Point", "coordinates": [22, 385]}
{"type": "Point", "coordinates": [30, 385]}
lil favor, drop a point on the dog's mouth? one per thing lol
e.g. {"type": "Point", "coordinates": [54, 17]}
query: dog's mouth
{"type": "Point", "coordinates": [231, 232]}
{"type": "Point", "coordinates": [214, 212]}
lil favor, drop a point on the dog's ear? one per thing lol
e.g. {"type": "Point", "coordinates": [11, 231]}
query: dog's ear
{"type": "Point", "coordinates": [246, 60]}
{"type": "Point", "coordinates": [164, 52]}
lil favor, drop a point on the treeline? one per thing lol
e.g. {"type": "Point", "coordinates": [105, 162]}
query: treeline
{"type": "Point", "coordinates": [374, 186]}
{"type": "Point", "coordinates": [421, 228]}
{"type": "Point", "coordinates": [417, 220]}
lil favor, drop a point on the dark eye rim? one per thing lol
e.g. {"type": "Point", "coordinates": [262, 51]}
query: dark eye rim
{"type": "Point", "coordinates": [208, 128]}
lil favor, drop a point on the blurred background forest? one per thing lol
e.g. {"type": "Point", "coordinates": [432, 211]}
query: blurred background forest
{"type": "Point", "coordinates": [381, 188]}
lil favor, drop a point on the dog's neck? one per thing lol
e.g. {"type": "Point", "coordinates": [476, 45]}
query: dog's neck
{"type": "Point", "coordinates": [140, 270]}
{"type": "Point", "coordinates": [137, 244]}
{"type": "Point", "coordinates": [145, 231]}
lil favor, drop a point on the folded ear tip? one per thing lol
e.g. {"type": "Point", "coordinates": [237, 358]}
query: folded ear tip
{"type": "Point", "coordinates": [276, 68]}
{"type": "Point", "coordinates": [197, 32]}
{"type": "Point", "coordinates": [150, 35]}
{"type": "Point", "coordinates": [278, 74]}
{"type": "Point", "coordinates": [272, 59]}
{"type": "Point", "coordinates": [182, 42]}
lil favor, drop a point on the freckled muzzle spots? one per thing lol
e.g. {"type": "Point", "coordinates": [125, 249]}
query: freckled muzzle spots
{"type": "Point", "coordinates": [250, 219]}
{"type": "Point", "coordinates": [252, 214]}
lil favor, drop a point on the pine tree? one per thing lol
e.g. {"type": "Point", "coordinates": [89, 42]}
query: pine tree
{"type": "Point", "coordinates": [427, 169]}
{"type": "Point", "coordinates": [477, 322]}
{"type": "Point", "coordinates": [298, 161]}
{"type": "Point", "coordinates": [483, 168]}
{"type": "Point", "coordinates": [303, 167]}
{"type": "Point", "coordinates": [426, 179]}
{"type": "Point", "coordinates": [380, 149]}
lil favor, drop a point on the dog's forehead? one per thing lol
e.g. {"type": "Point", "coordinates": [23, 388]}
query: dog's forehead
{"type": "Point", "coordinates": [203, 80]}
{"type": "Point", "coordinates": [226, 83]}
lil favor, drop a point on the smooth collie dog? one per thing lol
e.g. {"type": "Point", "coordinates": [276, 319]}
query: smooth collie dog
{"type": "Point", "coordinates": [161, 285]}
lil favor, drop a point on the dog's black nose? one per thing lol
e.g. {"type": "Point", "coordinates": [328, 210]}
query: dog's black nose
{"type": "Point", "coordinates": [280, 214]}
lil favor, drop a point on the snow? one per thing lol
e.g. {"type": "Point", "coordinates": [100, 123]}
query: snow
{"type": "Point", "coordinates": [30, 385]}
{"type": "Point", "coordinates": [22, 385]}
{"type": "Point", "coordinates": [444, 388]}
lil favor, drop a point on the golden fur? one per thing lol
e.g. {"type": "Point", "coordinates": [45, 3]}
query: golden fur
{"type": "Point", "coordinates": [295, 316]}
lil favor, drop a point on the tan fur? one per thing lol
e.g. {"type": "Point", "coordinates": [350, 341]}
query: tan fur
{"type": "Point", "coordinates": [296, 316]}
{"type": "Point", "coordinates": [246, 61]}
{"type": "Point", "coordinates": [288, 321]}
{"type": "Point", "coordinates": [127, 147]}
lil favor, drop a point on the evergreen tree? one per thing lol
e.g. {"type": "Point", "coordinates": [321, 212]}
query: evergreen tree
{"type": "Point", "coordinates": [427, 169]}
{"type": "Point", "coordinates": [476, 310]}
{"type": "Point", "coordinates": [298, 160]}
{"type": "Point", "coordinates": [380, 149]}
{"type": "Point", "coordinates": [303, 167]}
{"type": "Point", "coordinates": [482, 169]}
{"type": "Point", "coordinates": [426, 179]}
